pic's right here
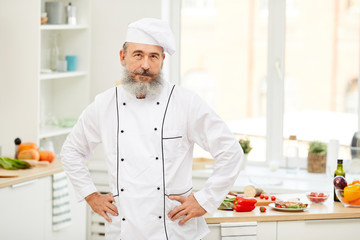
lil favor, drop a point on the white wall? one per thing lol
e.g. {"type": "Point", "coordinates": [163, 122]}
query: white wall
{"type": "Point", "coordinates": [19, 72]}
{"type": "Point", "coordinates": [109, 23]}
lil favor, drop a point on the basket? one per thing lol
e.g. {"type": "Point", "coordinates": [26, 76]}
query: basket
{"type": "Point", "coordinates": [316, 163]}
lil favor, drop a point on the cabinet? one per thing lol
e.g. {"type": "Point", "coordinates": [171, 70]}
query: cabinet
{"type": "Point", "coordinates": [318, 229]}
{"type": "Point", "coordinates": [302, 229]}
{"type": "Point", "coordinates": [31, 100]}
{"type": "Point", "coordinates": [26, 212]}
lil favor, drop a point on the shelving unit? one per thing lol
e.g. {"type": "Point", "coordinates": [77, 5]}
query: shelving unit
{"type": "Point", "coordinates": [63, 95]}
{"type": "Point", "coordinates": [32, 100]}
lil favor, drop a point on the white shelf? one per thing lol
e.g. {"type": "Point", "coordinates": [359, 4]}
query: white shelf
{"type": "Point", "coordinates": [46, 132]}
{"type": "Point", "coordinates": [62, 27]}
{"type": "Point", "coordinates": [57, 75]}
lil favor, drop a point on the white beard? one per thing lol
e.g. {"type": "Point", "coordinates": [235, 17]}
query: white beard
{"type": "Point", "coordinates": [147, 89]}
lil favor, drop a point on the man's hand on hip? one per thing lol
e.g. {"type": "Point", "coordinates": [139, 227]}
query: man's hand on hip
{"type": "Point", "coordinates": [102, 204]}
{"type": "Point", "coordinates": [189, 208]}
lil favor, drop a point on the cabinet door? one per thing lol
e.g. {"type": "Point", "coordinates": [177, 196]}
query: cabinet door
{"type": "Point", "coordinates": [319, 229]}
{"type": "Point", "coordinates": [22, 209]}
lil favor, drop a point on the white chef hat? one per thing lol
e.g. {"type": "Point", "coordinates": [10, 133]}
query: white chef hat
{"type": "Point", "coordinates": [151, 31]}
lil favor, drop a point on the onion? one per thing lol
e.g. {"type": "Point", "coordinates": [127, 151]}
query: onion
{"type": "Point", "coordinates": [340, 182]}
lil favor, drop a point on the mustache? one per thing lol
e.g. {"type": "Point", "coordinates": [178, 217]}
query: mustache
{"type": "Point", "coordinates": [144, 72]}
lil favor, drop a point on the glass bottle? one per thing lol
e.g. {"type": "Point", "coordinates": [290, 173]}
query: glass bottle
{"type": "Point", "coordinates": [339, 172]}
{"type": "Point", "coordinates": [53, 52]}
{"type": "Point", "coordinates": [292, 155]}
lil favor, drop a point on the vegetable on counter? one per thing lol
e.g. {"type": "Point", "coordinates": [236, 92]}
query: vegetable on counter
{"type": "Point", "coordinates": [340, 182]}
{"type": "Point", "coordinates": [226, 204]}
{"type": "Point", "coordinates": [13, 164]}
{"type": "Point", "coordinates": [29, 154]}
{"type": "Point", "coordinates": [251, 191]}
{"type": "Point", "coordinates": [46, 156]}
{"type": "Point", "coordinates": [262, 209]}
{"type": "Point", "coordinates": [30, 151]}
{"type": "Point", "coordinates": [352, 192]}
{"type": "Point", "coordinates": [244, 204]}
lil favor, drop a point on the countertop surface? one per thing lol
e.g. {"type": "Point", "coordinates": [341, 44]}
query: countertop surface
{"type": "Point", "coordinates": [327, 210]}
{"type": "Point", "coordinates": [29, 174]}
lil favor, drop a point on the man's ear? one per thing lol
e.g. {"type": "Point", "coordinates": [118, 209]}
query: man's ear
{"type": "Point", "coordinates": [122, 57]}
{"type": "Point", "coordinates": [163, 58]}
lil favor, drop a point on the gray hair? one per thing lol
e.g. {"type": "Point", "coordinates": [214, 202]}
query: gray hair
{"type": "Point", "coordinates": [125, 47]}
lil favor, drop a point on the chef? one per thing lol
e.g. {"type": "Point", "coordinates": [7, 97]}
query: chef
{"type": "Point", "coordinates": [148, 128]}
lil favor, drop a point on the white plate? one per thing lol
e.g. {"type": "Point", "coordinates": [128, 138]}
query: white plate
{"type": "Point", "coordinates": [272, 206]}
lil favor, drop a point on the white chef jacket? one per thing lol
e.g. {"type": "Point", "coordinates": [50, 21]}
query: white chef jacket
{"type": "Point", "coordinates": [148, 147]}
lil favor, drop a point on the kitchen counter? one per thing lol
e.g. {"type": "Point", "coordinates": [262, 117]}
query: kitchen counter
{"type": "Point", "coordinates": [327, 210]}
{"type": "Point", "coordinates": [317, 222]}
{"type": "Point", "coordinates": [30, 174]}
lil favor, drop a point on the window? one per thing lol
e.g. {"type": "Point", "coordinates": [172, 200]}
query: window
{"type": "Point", "coordinates": [223, 59]}
{"type": "Point", "coordinates": [321, 71]}
{"type": "Point", "coordinates": [272, 69]}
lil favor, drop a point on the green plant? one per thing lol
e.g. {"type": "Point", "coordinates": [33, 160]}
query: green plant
{"type": "Point", "coordinates": [245, 145]}
{"type": "Point", "coordinates": [317, 147]}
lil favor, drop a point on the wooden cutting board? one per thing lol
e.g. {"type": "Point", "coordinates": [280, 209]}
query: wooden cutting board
{"type": "Point", "coordinates": [8, 174]}
{"type": "Point", "coordinates": [263, 202]}
{"type": "Point", "coordinates": [260, 202]}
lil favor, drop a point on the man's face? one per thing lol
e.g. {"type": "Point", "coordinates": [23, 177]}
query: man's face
{"type": "Point", "coordinates": [143, 61]}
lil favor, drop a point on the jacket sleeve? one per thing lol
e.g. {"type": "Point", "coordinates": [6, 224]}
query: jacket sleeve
{"type": "Point", "coordinates": [211, 133]}
{"type": "Point", "coordinates": [77, 148]}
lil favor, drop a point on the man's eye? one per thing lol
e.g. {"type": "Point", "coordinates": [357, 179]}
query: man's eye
{"type": "Point", "coordinates": [138, 55]}
{"type": "Point", "coordinates": [154, 56]}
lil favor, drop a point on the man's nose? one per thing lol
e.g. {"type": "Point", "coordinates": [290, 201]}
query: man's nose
{"type": "Point", "coordinates": [145, 63]}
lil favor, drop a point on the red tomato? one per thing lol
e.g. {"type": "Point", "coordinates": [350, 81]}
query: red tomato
{"type": "Point", "coordinates": [273, 198]}
{"type": "Point", "coordinates": [262, 209]}
{"type": "Point", "coordinates": [261, 196]}
{"type": "Point", "coordinates": [266, 197]}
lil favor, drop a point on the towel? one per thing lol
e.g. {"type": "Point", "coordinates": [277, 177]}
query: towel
{"type": "Point", "coordinates": [61, 213]}
{"type": "Point", "coordinates": [238, 231]}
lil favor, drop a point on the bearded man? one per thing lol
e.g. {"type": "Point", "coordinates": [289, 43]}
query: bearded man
{"type": "Point", "coordinates": [148, 128]}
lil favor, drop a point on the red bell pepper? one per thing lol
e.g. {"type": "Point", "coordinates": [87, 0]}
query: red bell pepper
{"type": "Point", "coordinates": [243, 208]}
{"type": "Point", "coordinates": [244, 204]}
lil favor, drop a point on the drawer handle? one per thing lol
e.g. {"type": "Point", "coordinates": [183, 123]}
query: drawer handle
{"type": "Point", "coordinates": [24, 183]}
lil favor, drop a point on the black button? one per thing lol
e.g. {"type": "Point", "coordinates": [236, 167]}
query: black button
{"type": "Point", "coordinates": [122, 189]}
{"type": "Point", "coordinates": [159, 217]}
{"type": "Point", "coordinates": [122, 159]}
{"type": "Point", "coordinates": [123, 219]}
{"type": "Point", "coordinates": [122, 131]}
{"type": "Point", "coordinates": [158, 188]}
{"type": "Point", "coordinates": [157, 158]}
{"type": "Point", "coordinates": [124, 103]}
{"type": "Point", "coordinates": [155, 129]}
{"type": "Point", "coordinates": [157, 103]}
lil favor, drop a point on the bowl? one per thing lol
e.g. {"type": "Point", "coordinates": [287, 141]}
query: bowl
{"type": "Point", "coordinates": [348, 198]}
{"type": "Point", "coordinates": [317, 197]}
